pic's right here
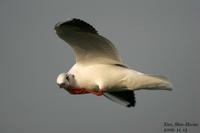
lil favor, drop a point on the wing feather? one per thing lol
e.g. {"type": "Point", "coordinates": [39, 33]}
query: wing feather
{"type": "Point", "coordinates": [88, 45]}
{"type": "Point", "coordinates": [126, 98]}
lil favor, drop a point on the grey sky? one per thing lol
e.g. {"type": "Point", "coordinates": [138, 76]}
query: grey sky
{"type": "Point", "coordinates": [152, 36]}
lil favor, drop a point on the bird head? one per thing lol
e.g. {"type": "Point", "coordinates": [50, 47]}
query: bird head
{"type": "Point", "coordinates": [65, 80]}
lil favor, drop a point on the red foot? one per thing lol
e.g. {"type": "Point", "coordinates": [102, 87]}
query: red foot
{"type": "Point", "coordinates": [78, 91]}
{"type": "Point", "coordinates": [84, 91]}
{"type": "Point", "coordinates": [97, 93]}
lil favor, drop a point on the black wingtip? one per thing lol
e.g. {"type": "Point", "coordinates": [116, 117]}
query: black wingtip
{"type": "Point", "coordinates": [84, 26]}
{"type": "Point", "coordinates": [126, 96]}
{"type": "Point", "coordinates": [130, 105]}
{"type": "Point", "coordinates": [132, 102]}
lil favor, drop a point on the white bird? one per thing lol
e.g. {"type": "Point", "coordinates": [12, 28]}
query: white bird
{"type": "Point", "coordinates": [99, 69]}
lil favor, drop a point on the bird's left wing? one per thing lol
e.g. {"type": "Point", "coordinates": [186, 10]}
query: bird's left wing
{"type": "Point", "coordinates": [88, 45]}
{"type": "Point", "coordinates": [126, 98]}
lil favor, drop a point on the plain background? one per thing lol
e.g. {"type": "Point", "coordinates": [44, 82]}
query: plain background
{"type": "Point", "coordinates": [152, 36]}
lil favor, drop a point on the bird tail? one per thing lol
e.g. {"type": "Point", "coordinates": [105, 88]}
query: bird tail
{"type": "Point", "coordinates": [165, 83]}
{"type": "Point", "coordinates": [154, 82]}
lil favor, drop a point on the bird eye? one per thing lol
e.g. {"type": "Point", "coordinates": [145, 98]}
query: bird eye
{"type": "Point", "coordinates": [67, 77]}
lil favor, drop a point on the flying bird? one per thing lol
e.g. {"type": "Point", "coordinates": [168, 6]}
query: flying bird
{"type": "Point", "coordinates": [99, 69]}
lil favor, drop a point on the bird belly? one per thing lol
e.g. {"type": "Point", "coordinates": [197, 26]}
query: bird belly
{"type": "Point", "coordinates": [100, 76]}
{"type": "Point", "coordinates": [109, 78]}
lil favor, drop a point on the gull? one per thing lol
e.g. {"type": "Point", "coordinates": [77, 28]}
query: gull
{"type": "Point", "coordinates": [99, 69]}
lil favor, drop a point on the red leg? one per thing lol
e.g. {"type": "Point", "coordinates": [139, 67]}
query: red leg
{"type": "Point", "coordinates": [85, 91]}
{"type": "Point", "coordinates": [78, 91]}
{"type": "Point", "coordinates": [97, 93]}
